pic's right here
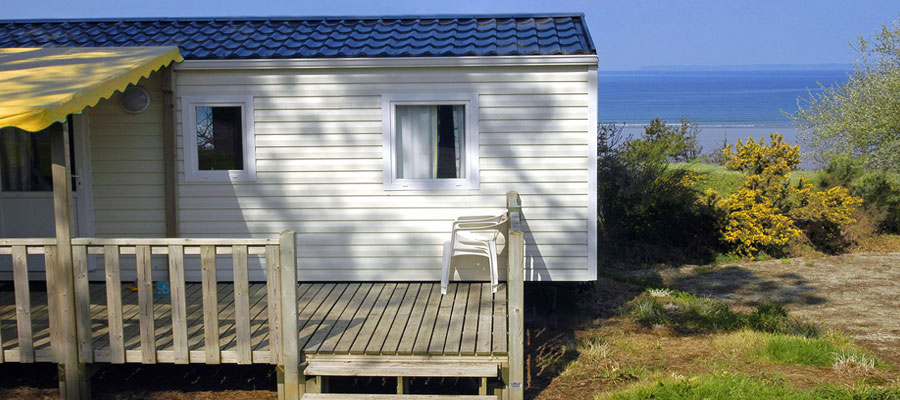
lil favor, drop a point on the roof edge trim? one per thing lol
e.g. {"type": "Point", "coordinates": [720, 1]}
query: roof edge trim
{"type": "Point", "coordinates": [298, 18]}
{"type": "Point", "coordinates": [393, 62]}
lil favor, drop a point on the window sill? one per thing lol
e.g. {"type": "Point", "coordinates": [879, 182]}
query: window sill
{"type": "Point", "coordinates": [431, 185]}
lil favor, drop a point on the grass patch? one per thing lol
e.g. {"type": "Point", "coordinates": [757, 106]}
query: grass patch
{"type": "Point", "coordinates": [726, 386]}
{"type": "Point", "coordinates": [685, 312]}
{"type": "Point", "coordinates": [800, 350]}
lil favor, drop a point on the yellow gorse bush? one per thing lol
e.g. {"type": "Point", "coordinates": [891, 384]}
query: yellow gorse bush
{"type": "Point", "coordinates": [767, 211]}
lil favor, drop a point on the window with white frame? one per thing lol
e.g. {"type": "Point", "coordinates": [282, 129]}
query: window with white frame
{"type": "Point", "coordinates": [430, 141]}
{"type": "Point", "coordinates": [218, 139]}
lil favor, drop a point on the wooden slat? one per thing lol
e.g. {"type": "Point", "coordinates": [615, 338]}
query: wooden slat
{"type": "Point", "coordinates": [259, 324]}
{"type": "Point", "coordinates": [399, 368]}
{"type": "Point", "coordinates": [457, 319]}
{"type": "Point", "coordinates": [499, 339]}
{"type": "Point", "coordinates": [316, 309]}
{"type": "Point", "coordinates": [423, 339]}
{"type": "Point", "coordinates": [442, 323]}
{"type": "Point", "coordinates": [257, 321]}
{"type": "Point", "coordinates": [41, 327]}
{"type": "Point", "coordinates": [470, 325]}
{"type": "Point", "coordinates": [51, 260]}
{"type": "Point", "coordinates": [356, 396]}
{"type": "Point", "coordinates": [172, 241]}
{"type": "Point", "coordinates": [351, 331]}
{"type": "Point", "coordinates": [485, 321]}
{"type": "Point", "coordinates": [99, 327]}
{"type": "Point", "coordinates": [383, 311]}
{"type": "Point", "coordinates": [197, 331]}
{"type": "Point", "coordinates": [82, 304]}
{"type": "Point", "coordinates": [179, 309]}
{"type": "Point", "coordinates": [145, 305]}
{"type": "Point", "coordinates": [27, 242]}
{"type": "Point", "coordinates": [241, 303]}
{"type": "Point", "coordinates": [131, 323]}
{"type": "Point", "coordinates": [23, 306]}
{"type": "Point", "coordinates": [342, 320]}
{"type": "Point", "coordinates": [114, 305]}
{"type": "Point", "coordinates": [210, 305]}
{"type": "Point", "coordinates": [394, 331]}
{"type": "Point", "coordinates": [273, 287]}
{"type": "Point", "coordinates": [228, 330]}
{"type": "Point", "coordinates": [409, 333]}
{"type": "Point", "coordinates": [311, 336]}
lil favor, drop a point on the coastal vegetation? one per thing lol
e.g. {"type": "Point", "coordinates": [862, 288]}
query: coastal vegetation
{"type": "Point", "coordinates": [662, 202]}
{"type": "Point", "coordinates": [861, 117]}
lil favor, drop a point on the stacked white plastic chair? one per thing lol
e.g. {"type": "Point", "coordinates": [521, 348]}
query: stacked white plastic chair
{"type": "Point", "coordinates": [474, 235]}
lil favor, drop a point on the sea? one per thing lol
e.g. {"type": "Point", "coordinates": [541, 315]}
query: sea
{"type": "Point", "coordinates": [726, 104]}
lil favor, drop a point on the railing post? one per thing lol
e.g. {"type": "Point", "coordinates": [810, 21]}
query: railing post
{"type": "Point", "coordinates": [73, 379]}
{"type": "Point", "coordinates": [516, 296]}
{"type": "Point", "coordinates": [294, 381]}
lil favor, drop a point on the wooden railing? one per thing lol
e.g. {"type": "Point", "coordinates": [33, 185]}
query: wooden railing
{"type": "Point", "coordinates": [20, 249]}
{"type": "Point", "coordinates": [139, 252]}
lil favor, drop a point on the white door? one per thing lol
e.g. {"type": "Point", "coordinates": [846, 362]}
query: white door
{"type": "Point", "coordinates": [26, 190]}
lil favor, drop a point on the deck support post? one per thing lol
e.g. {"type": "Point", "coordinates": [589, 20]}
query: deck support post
{"type": "Point", "coordinates": [515, 303]}
{"type": "Point", "coordinates": [294, 380]}
{"type": "Point", "coordinates": [73, 378]}
{"type": "Point", "coordinates": [402, 385]}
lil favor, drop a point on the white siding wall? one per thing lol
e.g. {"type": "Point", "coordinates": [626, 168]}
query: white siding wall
{"type": "Point", "coordinates": [319, 163]}
{"type": "Point", "coordinates": [127, 171]}
{"type": "Point", "coordinates": [127, 166]}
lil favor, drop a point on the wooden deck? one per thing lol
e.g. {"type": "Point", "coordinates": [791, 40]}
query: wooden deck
{"type": "Point", "coordinates": [376, 319]}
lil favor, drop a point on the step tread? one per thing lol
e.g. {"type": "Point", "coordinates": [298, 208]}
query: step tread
{"type": "Point", "coordinates": [356, 396]}
{"type": "Point", "coordinates": [406, 369]}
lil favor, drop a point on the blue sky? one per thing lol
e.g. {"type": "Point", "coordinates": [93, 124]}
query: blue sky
{"type": "Point", "coordinates": [628, 33]}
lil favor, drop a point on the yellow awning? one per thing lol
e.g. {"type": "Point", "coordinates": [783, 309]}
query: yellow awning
{"type": "Point", "coordinates": [40, 86]}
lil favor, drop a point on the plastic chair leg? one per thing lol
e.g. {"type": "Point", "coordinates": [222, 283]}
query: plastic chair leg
{"type": "Point", "coordinates": [495, 276]}
{"type": "Point", "coordinates": [445, 267]}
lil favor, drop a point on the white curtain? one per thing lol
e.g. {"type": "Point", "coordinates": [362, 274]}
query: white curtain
{"type": "Point", "coordinates": [459, 115]}
{"type": "Point", "coordinates": [417, 142]}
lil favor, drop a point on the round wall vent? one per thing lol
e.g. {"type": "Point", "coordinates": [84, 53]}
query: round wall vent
{"type": "Point", "coordinates": [135, 99]}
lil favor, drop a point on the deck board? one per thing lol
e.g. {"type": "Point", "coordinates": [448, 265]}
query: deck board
{"type": "Point", "coordinates": [385, 319]}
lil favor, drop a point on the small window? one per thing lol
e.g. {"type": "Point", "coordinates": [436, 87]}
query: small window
{"type": "Point", "coordinates": [25, 160]}
{"type": "Point", "coordinates": [218, 138]}
{"type": "Point", "coordinates": [430, 142]}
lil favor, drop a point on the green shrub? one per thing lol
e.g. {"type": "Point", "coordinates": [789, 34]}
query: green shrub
{"type": "Point", "coordinates": [648, 208]}
{"type": "Point", "coordinates": [879, 190]}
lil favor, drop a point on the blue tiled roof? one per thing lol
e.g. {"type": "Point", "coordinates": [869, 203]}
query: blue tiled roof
{"type": "Point", "coordinates": [323, 37]}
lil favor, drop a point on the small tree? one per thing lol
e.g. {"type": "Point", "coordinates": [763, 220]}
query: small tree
{"type": "Point", "coordinates": [678, 142]}
{"type": "Point", "coordinates": [861, 117]}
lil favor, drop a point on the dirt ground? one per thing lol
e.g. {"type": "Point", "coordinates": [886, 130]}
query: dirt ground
{"type": "Point", "coordinates": [855, 293]}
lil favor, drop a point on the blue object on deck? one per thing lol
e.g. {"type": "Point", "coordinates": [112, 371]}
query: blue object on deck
{"type": "Point", "coordinates": [317, 37]}
{"type": "Point", "coordinates": [161, 289]}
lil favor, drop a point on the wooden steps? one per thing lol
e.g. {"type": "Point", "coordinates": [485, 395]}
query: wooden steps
{"type": "Point", "coordinates": [405, 369]}
{"type": "Point", "coordinates": [356, 396]}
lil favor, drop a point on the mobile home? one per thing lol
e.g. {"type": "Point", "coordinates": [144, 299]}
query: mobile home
{"type": "Point", "coordinates": [367, 137]}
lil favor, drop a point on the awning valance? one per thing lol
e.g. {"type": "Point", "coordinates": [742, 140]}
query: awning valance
{"type": "Point", "coordinates": [40, 86]}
